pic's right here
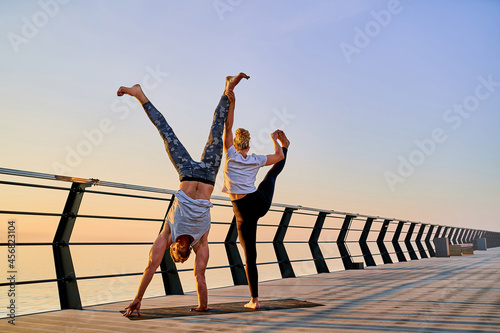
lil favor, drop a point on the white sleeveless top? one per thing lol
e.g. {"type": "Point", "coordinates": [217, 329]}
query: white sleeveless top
{"type": "Point", "coordinates": [188, 216]}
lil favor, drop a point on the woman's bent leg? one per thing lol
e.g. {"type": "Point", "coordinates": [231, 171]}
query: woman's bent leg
{"type": "Point", "coordinates": [269, 182]}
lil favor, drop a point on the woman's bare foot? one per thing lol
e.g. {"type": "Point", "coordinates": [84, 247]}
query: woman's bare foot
{"type": "Point", "coordinates": [253, 304]}
{"type": "Point", "coordinates": [135, 91]}
{"type": "Point", "coordinates": [284, 140]}
{"type": "Point", "coordinates": [232, 81]}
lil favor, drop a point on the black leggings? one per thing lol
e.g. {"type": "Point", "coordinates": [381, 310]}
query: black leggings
{"type": "Point", "coordinates": [247, 211]}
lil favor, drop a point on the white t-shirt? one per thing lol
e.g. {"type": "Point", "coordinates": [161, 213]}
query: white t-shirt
{"type": "Point", "coordinates": [240, 172]}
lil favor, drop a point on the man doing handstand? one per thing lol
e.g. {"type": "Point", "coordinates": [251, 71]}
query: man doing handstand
{"type": "Point", "coordinates": [188, 220]}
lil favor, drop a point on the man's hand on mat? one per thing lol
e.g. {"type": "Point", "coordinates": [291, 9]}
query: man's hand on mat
{"type": "Point", "coordinates": [201, 309]}
{"type": "Point", "coordinates": [134, 305]}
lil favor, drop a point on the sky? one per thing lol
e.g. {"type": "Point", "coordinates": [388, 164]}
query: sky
{"type": "Point", "coordinates": [391, 107]}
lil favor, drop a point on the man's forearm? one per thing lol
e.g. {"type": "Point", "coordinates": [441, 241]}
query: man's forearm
{"type": "Point", "coordinates": [147, 276]}
{"type": "Point", "coordinates": [201, 288]}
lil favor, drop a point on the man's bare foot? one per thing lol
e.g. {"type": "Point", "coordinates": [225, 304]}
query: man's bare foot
{"type": "Point", "coordinates": [253, 304]}
{"type": "Point", "coordinates": [232, 81]}
{"type": "Point", "coordinates": [135, 91]}
{"type": "Point", "coordinates": [200, 309]}
{"type": "Point", "coordinates": [284, 140]}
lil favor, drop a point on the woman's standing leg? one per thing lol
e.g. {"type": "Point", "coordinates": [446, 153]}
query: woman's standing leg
{"type": "Point", "coordinates": [246, 220]}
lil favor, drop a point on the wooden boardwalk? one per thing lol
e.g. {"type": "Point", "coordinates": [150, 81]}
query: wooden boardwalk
{"type": "Point", "coordinates": [456, 294]}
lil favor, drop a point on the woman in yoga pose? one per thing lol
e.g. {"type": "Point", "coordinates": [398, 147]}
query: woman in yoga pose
{"type": "Point", "coordinates": [250, 203]}
{"type": "Point", "coordinates": [188, 220]}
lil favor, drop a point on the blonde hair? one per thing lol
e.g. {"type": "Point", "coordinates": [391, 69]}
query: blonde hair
{"type": "Point", "coordinates": [241, 139]}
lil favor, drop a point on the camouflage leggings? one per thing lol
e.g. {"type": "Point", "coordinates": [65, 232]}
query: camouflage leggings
{"type": "Point", "coordinates": [188, 169]}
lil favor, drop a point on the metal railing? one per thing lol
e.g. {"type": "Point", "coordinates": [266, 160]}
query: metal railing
{"type": "Point", "coordinates": [410, 240]}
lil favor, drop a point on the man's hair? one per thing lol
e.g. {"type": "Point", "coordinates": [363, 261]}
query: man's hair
{"type": "Point", "coordinates": [178, 255]}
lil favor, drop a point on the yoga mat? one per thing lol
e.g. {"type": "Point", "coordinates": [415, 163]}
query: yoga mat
{"type": "Point", "coordinates": [221, 308]}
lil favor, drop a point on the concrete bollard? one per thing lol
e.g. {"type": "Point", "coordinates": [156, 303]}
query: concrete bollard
{"type": "Point", "coordinates": [481, 244]}
{"type": "Point", "coordinates": [442, 247]}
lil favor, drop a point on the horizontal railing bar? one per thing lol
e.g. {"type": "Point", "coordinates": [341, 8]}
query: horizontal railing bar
{"type": "Point", "coordinates": [127, 195]}
{"type": "Point", "coordinates": [35, 185]}
{"type": "Point", "coordinates": [28, 213]}
{"type": "Point", "coordinates": [14, 172]}
{"type": "Point", "coordinates": [332, 258]}
{"type": "Point", "coordinates": [267, 225]}
{"type": "Point", "coordinates": [300, 227]}
{"type": "Point", "coordinates": [112, 275]}
{"type": "Point", "coordinates": [134, 187]}
{"type": "Point", "coordinates": [275, 210]}
{"type": "Point", "coordinates": [30, 282]}
{"type": "Point", "coordinates": [268, 263]}
{"type": "Point", "coordinates": [27, 244]}
{"type": "Point", "coordinates": [338, 217]}
{"type": "Point", "coordinates": [301, 260]}
{"type": "Point", "coordinates": [307, 214]}
{"type": "Point", "coordinates": [287, 206]}
{"type": "Point", "coordinates": [150, 243]}
{"type": "Point", "coordinates": [119, 218]}
{"type": "Point", "coordinates": [112, 243]}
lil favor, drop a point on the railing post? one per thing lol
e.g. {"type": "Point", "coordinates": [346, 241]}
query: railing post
{"type": "Point", "coordinates": [380, 243]}
{"type": "Point", "coordinates": [395, 242]}
{"type": "Point", "coordinates": [477, 234]}
{"type": "Point", "coordinates": [438, 232]}
{"type": "Point", "coordinates": [468, 236]}
{"type": "Point", "coordinates": [460, 237]}
{"type": "Point", "coordinates": [69, 296]}
{"type": "Point", "coordinates": [445, 233]}
{"type": "Point", "coordinates": [279, 248]}
{"type": "Point", "coordinates": [428, 241]}
{"type": "Point", "coordinates": [463, 236]}
{"type": "Point", "coordinates": [453, 235]}
{"type": "Point", "coordinates": [233, 255]}
{"type": "Point", "coordinates": [363, 245]}
{"type": "Point", "coordinates": [319, 260]}
{"type": "Point", "coordinates": [411, 250]}
{"type": "Point", "coordinates": [344, 252]}
{"type": "Point", "coordinates": [171, 281]}
{"type": "Point", "coordinates": [472, 238]}
{"type": "Point", "coordinates": [418, 241]}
